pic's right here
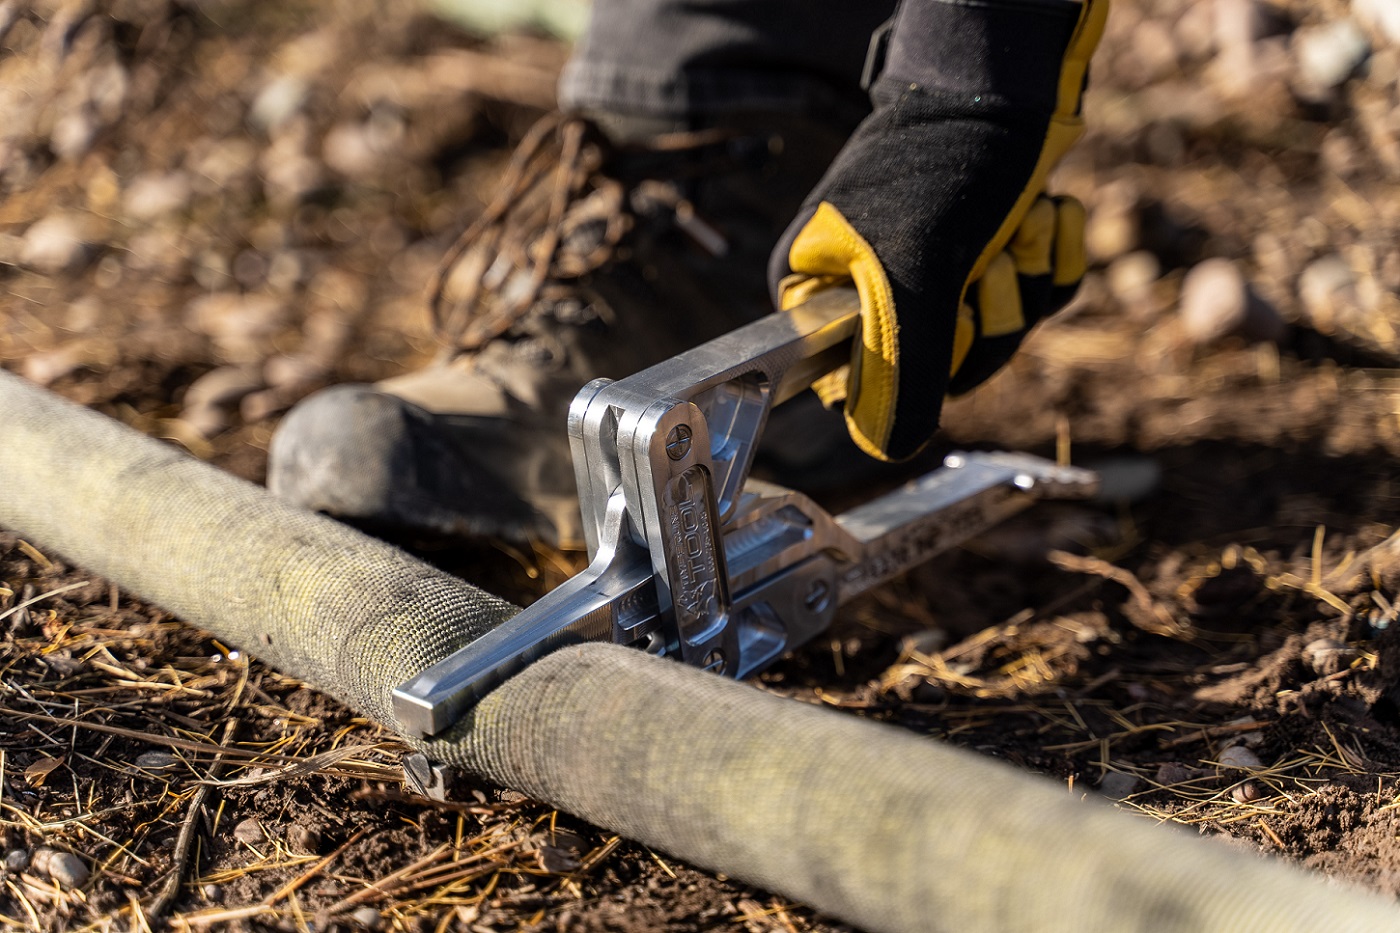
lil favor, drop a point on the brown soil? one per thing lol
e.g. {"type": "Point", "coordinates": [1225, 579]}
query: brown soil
{"type": "Point", "coordinates": [258, 205]}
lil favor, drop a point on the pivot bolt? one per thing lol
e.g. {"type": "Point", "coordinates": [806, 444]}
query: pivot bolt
{"type": "Point", "coordinates": [678, 442]}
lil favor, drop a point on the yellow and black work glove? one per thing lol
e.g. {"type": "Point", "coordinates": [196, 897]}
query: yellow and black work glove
{"type": "Point", "coordinates": [935, 207]}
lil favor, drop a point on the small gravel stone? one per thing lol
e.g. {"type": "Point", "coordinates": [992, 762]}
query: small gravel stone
{"type": "Point", "coordinates": [1114, 226]}
{"type": "Point", "coordinates": [1329, 54]}
{"type": "Point", "coordinates": [65, 868]}
{"type": "Point", "coordinates": [211, 892]}
{"type": "Point", "coordinates": [73, 134]}
{"type": "Point", "coordinates": [1245, 792]}
{"type": "Point", "coordinates": [278, 102]}
{"type": "Point", "coordinates": [1328, 290]}
{"type": "Point", "coordinates": [49, 366]}
{"type": "Point", "coordinates": [54, 244]}
{"type": "Point", "coordinates": [250, 832]}
{"type": "Point", "coordinates": [1130, 280]}
{"type": "Point", "coordinates": [1217, 302]}
{"type": "Point", "coordinates": [303, 840]}
{"type": "Point", "coordinates": [351, 149]}
{"type": "Point", "coordinates": [155, 195]}
{"type": "Point", "coordinates": [284, 272]}
{"type": "Point", "coordinates": [156, 761]}
{"type": "Point", "coordinates": [16, 860]}
{"type": "Point", "coordinates": [1116, 785]}
{"type": "Point", "coordinates": [1240, 758]}
{"type": "Point", "coordinates": [1340, 154]}
{"type": "Point", "coordinates": [367, 918]}
{"type": "Point", "coordinates": [1214, 300]}
{"type": "Point", "coordinates": [1383, 16]}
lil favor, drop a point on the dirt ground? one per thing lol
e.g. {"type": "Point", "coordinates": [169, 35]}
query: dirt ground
{"type": "Point", "coordinates": [208, 210]}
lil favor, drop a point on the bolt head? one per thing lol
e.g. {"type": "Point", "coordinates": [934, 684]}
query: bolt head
{"type": "Point", "coordinates": [678, 442]}
{"type": "Point", "coordinates": [818, 596]}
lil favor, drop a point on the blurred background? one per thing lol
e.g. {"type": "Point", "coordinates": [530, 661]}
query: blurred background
{"type": "Point", "coordinates": [209, 209]}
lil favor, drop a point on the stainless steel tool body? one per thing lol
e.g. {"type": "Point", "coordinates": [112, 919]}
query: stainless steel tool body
{"type": "Point", "coordinates": [692, 558]}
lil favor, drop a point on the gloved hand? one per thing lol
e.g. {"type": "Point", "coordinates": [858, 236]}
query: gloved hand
{"type": "Point", "coordinates": [935, 207]}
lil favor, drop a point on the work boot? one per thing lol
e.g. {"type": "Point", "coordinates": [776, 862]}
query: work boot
{"type": "Point", "coordinates": [614, 244]}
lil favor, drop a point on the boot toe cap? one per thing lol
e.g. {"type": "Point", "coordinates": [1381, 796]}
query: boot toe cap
{"type": "Point", "coordinates": [373, 459]}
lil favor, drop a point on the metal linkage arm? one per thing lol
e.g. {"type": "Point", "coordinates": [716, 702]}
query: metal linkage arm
{"type": "Point", "coordinates": [691, 558]}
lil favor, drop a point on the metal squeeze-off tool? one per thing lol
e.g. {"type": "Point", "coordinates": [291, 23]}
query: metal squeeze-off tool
{"type": "Point", "coordinates": [692, 559]}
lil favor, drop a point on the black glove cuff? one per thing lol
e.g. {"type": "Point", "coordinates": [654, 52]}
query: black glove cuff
{"type": "Point", "coordinates": [1008, 50]}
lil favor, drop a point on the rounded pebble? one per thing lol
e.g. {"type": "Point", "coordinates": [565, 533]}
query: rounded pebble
{"type": "Point", "coordinates": [1116, 785]}
{"type": "Point", "coordinates": [1329, 54]}
{"type": "Point", "coordinates": [73, 134]}
{"type": "Point", "coordinates": [250, 832]}
{"type": "Point", "coordinates": [1381, 15]}
{"type": "Point", "coordinates": [1239, 758]}
{"type": "Point", "coordinates": [16, 860]}
{"type": "Point", "coordinates": [367, 918]}
{"type": "Point", "coordinates": [1214, 300]}
{"type": "Point", "coordinates": [303, 840]}
{"type": "Point", "coordinates": [278, 102]}
{"type": "Point", "coordinates": [156, 761]}
{"type": "Point", "coordinates": [1114, 226]}
{"type": "Point", "coordinates": [65, 868]}
{"type": "Point", "coordinates": [1131, 277]}
{"type": "Point", "coordinates": [55, 244]}
{"type": "Point", "coordinates": [1217, 301]}
{"type": "Point", "coordinates": [1327, 288]}
{"type": "Point", "coordinates": [151, 196]}
{"type": "Point", "coordinates": [1245, 792]}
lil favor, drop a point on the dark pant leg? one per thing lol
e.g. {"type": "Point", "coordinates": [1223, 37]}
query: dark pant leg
{"type": "Point", "coordinates": [697, 60]}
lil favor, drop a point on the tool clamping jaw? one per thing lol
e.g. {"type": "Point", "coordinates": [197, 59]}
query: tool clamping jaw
{"type": "Point", "coordinates": [692, 559]}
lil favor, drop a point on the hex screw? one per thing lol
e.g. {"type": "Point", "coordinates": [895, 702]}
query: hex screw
{"type": "Point", "coordinates": [678, 442]}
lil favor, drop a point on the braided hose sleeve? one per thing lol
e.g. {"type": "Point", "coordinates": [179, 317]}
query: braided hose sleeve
{"type": "Point", "coordinates": [869, 823]}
